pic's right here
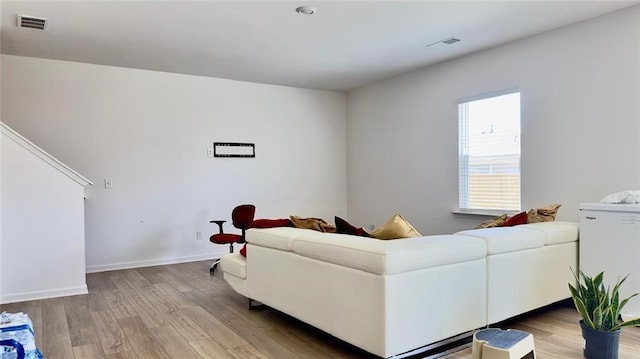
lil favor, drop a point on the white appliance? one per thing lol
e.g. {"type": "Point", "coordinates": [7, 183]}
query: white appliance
{"type": "Point", "coordinates": [610, 242]}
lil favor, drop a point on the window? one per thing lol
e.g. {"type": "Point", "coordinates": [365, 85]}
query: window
{"type": "Point", "coordinates": [489, 153]}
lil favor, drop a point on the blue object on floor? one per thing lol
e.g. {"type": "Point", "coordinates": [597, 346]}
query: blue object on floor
{"type": "Point", "coordinates": [17, 340]}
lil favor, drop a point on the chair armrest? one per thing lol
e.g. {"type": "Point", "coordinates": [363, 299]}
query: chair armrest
{"type": "Point", "coordinates": [219, 223]}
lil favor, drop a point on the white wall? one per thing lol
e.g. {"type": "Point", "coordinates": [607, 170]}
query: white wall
{"type": "Point", "coordinates": [149, 132]}
{"type": "Point", "coordinates": [0, 178]}
{"type": "Point", "coordinates": [43, 247]}
{"type": "Point", "coordinates": [579, 86]}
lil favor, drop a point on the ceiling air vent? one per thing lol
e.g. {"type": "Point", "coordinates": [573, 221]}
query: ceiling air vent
{"type": "Point", "coordinates": [32, 22]}
{"type": "Point", "coordinates": [447, 41]}
{"type": "Point", "coordinates": [451, 40]}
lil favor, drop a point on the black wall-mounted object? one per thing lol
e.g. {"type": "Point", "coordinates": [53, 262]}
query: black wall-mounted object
{"type": "Point", "coordinates": [234, 149]}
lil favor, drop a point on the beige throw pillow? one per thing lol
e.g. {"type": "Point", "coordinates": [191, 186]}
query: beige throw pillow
{"type": "Point", "coordinates": [495, 222]}
{"type": "Point", "coordinates": [543, 214]}
{"type": "Point", "coordinates": [396, 227]}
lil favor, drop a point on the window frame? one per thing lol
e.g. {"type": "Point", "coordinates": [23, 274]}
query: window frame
{"type": "Point", "coordinates": [463, 188]}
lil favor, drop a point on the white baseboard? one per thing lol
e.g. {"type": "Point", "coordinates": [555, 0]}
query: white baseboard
{"type": "Point", "coordinates": [63, 292]}
{"type": "Point", "coordinates": [43, 294]}
{"type": "Point", "coordinates": [150, 263]}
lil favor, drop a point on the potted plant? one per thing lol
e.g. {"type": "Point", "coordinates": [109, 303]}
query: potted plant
{"type": "Point", "coordinates": [600, 309]}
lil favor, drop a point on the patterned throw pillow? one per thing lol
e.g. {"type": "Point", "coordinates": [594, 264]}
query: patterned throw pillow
{"type": "Point", "coordinates": [396, 227]}
{"type": "Point", "coordinates": [495, 222]}
{"type": "Point", "coordinates": [543, 214]}
{"type": "Point", "coordinates": [317, 224]}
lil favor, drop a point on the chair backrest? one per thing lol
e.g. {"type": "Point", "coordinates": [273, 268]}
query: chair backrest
{"type": "Point", "coordinates": [242, 215]}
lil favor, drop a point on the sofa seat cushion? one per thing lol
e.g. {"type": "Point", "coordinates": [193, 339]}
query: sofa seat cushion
{"type": "Point", "coordinates": [234, 264]}
{"type": "Point", "coordinates": [555, 232]}
{"type": "Point", "coordinates": [508, 239]}
{"type": "Point", "coordinates": [389, 257]}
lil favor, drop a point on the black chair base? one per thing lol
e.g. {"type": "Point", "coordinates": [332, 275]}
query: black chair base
{"type": "Point", "coordinates": [214, 265]}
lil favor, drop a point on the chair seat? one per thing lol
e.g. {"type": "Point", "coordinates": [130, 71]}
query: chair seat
{"type": "Point", "coordinates": [225, 238]}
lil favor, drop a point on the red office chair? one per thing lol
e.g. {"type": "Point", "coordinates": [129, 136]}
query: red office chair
{"type": "Point", "coordinates": [241, 216]}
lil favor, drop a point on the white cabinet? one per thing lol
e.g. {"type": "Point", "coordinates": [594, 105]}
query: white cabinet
{"type": "Point", "coordinates": [610, 242]}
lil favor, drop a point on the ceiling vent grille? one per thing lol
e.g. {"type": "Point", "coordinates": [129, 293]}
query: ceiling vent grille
{"type": "Point", "coordinates": [32, 22]}
{"type": "Point", "coordinates": [447, 41]}
{"type": "Point", "coordinates": [451, 40]}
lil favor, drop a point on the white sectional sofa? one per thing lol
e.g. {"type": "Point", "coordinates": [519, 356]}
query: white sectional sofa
{"type": "Point", "coordinates": [397, 297]}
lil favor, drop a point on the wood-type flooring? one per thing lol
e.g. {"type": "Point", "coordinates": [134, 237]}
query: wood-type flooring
{"type": "Point", "coordinates": [180, 311]}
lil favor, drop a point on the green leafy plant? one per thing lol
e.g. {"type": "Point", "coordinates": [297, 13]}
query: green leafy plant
{"type": "Point", "coordinates": [599, 307]}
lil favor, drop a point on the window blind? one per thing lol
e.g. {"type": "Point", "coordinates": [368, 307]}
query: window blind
{"type": "Point", "coordinates": [489, 153]}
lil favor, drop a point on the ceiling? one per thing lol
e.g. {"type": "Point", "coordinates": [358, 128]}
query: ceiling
{"type": "Point", "coordinates": [345, 45]}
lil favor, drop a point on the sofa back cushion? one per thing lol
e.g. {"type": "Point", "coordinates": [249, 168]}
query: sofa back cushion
{"type": "Point", "coordinates": [555, 232]}
{"type": "Point", "coordinates": [280, 238]}
{"type": "Point", "coordinates": [507, 239]}
{"type": "Point", "coordinates": [389, 257]}
{"type": "Point", "coordinates": [370, 254]}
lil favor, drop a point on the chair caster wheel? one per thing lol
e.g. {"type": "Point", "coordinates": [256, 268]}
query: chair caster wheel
{"type": "Point", "coordinates": [212, 270]}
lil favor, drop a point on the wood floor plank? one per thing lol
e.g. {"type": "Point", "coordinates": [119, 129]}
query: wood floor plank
{"type": "Point", "coordinates": [209, 348]}
{"type": "Point", "coordinates": [96, 301]}
{"type": "Point", "coordinates": [235, 316]}
{"type": "Point", "coordinates": [176, 282]}
{"type": "Point", "coordinates": [112, 338]}
{"type": "Point", "coordinates": [178, 298]}
{"type": "Point", "coordinates": [298, 347]}
{"type": "Point", "coordinates": [118, 305]}
{"type": "Point", "coordinates": [134, 276]}
{"type": "Point", "coordinates": [185, 326]}
{"type": "Point", "coordinates": [122, 355]}
{"type": "Point", "coordinates": [214, 328]}
{"type": "Point", "coordinates": [152, 274]}
{"type": "Point", "coordinates": [81, 330]}
{"type": "Point", "coordinates": [160, 302]}
{"type": "Point", "coordinates": [174, 344]}
{"type": "Point", "coordinates": [269, 347]}
{"type": "Point", "coordinates": [144, 308]}
{"type": "Point", "coordinates": [305, 335]}
{"type": "Point", "coordinates": [246, 352]}
{"type": "Point", "coordinates": [193, 275]}
{"type": "Point", "coordinates": [89, 351]}
{"type": "Point", "coordinates": [56, 338]}
{"type": "Point", "coordinates": [100, 281]}
{"type": "Point", "coordinates": [143, 341]}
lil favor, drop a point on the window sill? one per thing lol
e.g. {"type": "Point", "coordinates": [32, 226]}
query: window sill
{"type": "Point", "coordinates": [482, 213]}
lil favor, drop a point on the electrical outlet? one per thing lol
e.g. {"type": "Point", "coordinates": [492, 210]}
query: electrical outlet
{"type": "Point", "coordinates": [209, 152]}
{"type": "Point", "coordinates": [371, 226]}
{"type": "Point", "coordinates": [198, 235]}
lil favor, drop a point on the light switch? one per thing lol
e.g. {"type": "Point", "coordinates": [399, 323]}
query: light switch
{"type": "Point", "coordinates": [108, 183]}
